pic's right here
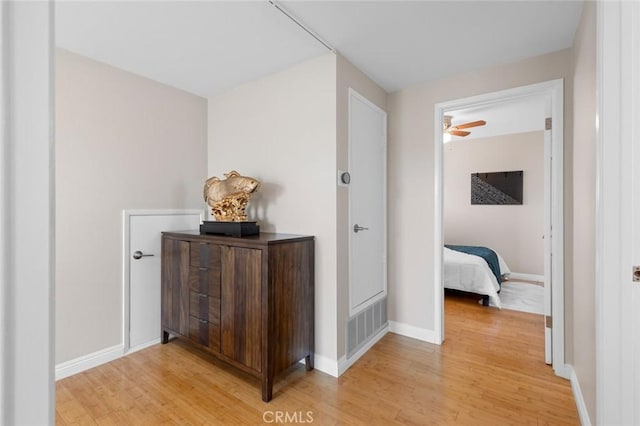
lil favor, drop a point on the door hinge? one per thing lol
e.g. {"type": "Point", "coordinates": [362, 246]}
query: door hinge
{"type": "Point", "coordinates": [547, 123]}
{"type": "Point", "coordinates": [548, 321]}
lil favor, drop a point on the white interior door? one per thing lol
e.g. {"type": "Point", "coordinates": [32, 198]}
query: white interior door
{"type": "Point", "coordinates": [367, 202]}
{"type": "Point", "coordinates": [634, 216]}
{"type": "Point", "coordinates": [617, 297]}
{"type": "Point", "coordinates": [548, 276]}
{"type": "Point", "coordinates": [143, 266]}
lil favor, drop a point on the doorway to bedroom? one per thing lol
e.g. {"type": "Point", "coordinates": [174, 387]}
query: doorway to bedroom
{"type": "Point", "coordinates": [498, 197]}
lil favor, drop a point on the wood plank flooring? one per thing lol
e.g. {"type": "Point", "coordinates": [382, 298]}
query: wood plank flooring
{"type": "Point", "coordinates": [490, 370]}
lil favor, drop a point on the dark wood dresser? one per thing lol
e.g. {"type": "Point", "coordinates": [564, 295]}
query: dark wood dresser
{"type": "Point", "coordinates": [249, 301]}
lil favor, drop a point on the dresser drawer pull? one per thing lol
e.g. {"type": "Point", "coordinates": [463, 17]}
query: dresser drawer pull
{"type": "Point", "coordinates": [203, 321]}
{"type": "Point", "coordinates": [202, 295]}
{"type": "Point", "coordinates": [203, 269]}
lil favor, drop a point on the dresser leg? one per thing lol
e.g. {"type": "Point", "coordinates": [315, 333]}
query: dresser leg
{"type": "Point", "coordinates": [165, 337]}
{"type": "Point", "coordinates": [308, 362]}
{"type": "Point", "coordinates": [267, 389]}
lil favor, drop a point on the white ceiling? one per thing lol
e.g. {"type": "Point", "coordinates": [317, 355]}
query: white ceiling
{"type": "Point", "coordinates": [403, 43]}
{"type": "Point", "coordinates": [209, 47]}
{"type": "Point", "coordinates": [526, 114]}
{"type": "Point", "coordinates": [201, 47]}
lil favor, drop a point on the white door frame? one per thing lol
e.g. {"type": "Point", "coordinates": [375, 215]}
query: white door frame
{"type": "Point", "coordinates": [126, 273]}
{"type": "Point", "coordinates": [27, 220]}
{"type": "Point", "coordinates": [554, 90]}
{"type": "Point", "coordinates": [383, 294]}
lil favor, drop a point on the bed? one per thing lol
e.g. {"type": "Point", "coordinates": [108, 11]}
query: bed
{"type": "Point", "coordinates": [471, 273]}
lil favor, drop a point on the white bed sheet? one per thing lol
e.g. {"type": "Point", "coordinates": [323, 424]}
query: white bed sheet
{"type": "Point", "coordinates": [471, 273]}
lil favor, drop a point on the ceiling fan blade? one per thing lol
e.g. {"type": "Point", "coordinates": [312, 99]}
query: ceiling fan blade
{"type": "Point", "coordinates": [468, 125]}
{"type": "Point", "coordinates": [458, 132]}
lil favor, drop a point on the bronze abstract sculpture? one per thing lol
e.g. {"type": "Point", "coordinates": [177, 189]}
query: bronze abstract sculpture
{"type": "Point", "coordinates": [228, 197]}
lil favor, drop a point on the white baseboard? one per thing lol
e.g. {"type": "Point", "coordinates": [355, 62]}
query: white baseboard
{"type": "Point", "coordinates": [80, 364]}
{"type": "Point", "coordinates": [577, 395]}
{"type": "Point", "coordinates": [75, 366]}
{"type": "Point", "coordinates": [326, 365]}
{"type": "Point", "coordinates": [414, 332]}
{"type": "Point", "coordinates": [143, 346]}
{"type": "Point", "coordinates": [336, 368]}
{"type": "Point", "coordinates": [563, 371]}
{"type": "Point", "coordinates": [528, 277]}
{"type": "Point", "coordinates": [344, 363]}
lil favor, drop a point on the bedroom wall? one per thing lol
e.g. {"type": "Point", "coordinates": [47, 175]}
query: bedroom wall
{"type": "Point", "coordinates": [411, 185]}
{"type": "Point", "coordinates": [347, 76]}
{"type": "Point", "coordinates": [584, 222]}
{"type": "Point", "coordinates": [122, 142]}
{"type": "Point", "coordinates": [281, 129]}
{"type": "Point", "coordinates": [513, 231]}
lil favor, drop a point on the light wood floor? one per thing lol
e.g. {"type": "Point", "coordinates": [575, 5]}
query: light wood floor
{"type": "Point", "coordinates": [490, 370]}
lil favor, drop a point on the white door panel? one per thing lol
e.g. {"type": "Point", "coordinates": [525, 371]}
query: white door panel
{"type": "Point", "coordinates": [367, 202]}
{"type": "Point", "coordinates": [144, 272]}
{"type": "Point", "coordinates": [634, 218]}
{"type": "Point", "coordinates": [548, 214]}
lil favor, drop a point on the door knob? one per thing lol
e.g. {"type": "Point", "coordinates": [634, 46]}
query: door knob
{"type": "Point", "coordinates": [357, 228]}
{"type": "Point", "coordinates": [138, 255]}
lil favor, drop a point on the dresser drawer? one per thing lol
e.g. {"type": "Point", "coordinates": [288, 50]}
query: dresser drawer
{"type": "Point", "coordinates": [204, 280]}
{"type": "Point", "coordinates": [205, 255]}
{"type": "Point", "coordinates": [204, 307]}
{"type": "Point", "coordinates": [204, 333]}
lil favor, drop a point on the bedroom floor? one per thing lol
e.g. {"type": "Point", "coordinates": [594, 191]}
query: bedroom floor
{"type": "Point", "coordinates": [490, 370]}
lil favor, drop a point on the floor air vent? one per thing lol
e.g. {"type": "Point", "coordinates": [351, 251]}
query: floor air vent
{"type": "Point", "coordinates": [364, 325]}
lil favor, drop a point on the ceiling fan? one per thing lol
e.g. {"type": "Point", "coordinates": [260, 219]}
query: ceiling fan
{"type": "Point", "coordinates": [457, 129]}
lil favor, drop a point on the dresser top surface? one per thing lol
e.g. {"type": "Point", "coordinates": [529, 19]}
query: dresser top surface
{"type": "Point", "coordinates": [262, 238]}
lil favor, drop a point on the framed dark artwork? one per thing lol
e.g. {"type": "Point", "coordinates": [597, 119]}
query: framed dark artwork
{"type": "Point", "coordinates": [497, 188]}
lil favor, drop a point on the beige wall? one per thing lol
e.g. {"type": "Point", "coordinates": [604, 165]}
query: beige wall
{"type": "Point", "coordinates": [584, 223]}
{"type": "Point", "coordinates": [281, 129]}
{"type": "Point", "coordinates": [122, 142]}
{"type": "Point", "coordinates": [300, 99]}
{"type": "Point", "coordinates": [513, 231]}
{"type": "Point", "coordinates": [347, 76]}
{"type": "Point", "coordinates": [411, 184]}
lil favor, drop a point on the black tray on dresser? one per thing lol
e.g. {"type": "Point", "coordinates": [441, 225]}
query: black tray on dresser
{"type": "Point", "coordinates": [232, 229]}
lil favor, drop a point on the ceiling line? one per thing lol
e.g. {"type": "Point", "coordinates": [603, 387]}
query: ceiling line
{"type": "Point", "coordinates": [282, 10]}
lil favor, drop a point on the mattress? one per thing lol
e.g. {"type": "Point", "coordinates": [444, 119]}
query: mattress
{"type": "Point", "coordinates": [471, 273]}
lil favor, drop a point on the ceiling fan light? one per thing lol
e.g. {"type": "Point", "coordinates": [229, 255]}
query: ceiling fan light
{"type": "Point", "coordinates": [446, 122]}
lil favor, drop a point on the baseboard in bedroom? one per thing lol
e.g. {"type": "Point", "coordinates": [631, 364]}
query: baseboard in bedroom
{"type": "Point", "coordinates": [414, 332]}
{"type": "Point", "coordinates": [577, 395]}
{"type": "Point", "coordinates": [344, 363]}
{"type": "Point", "coordinates": [80, 364]}
{"type": "Point", "coordinates": [528, 277]}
